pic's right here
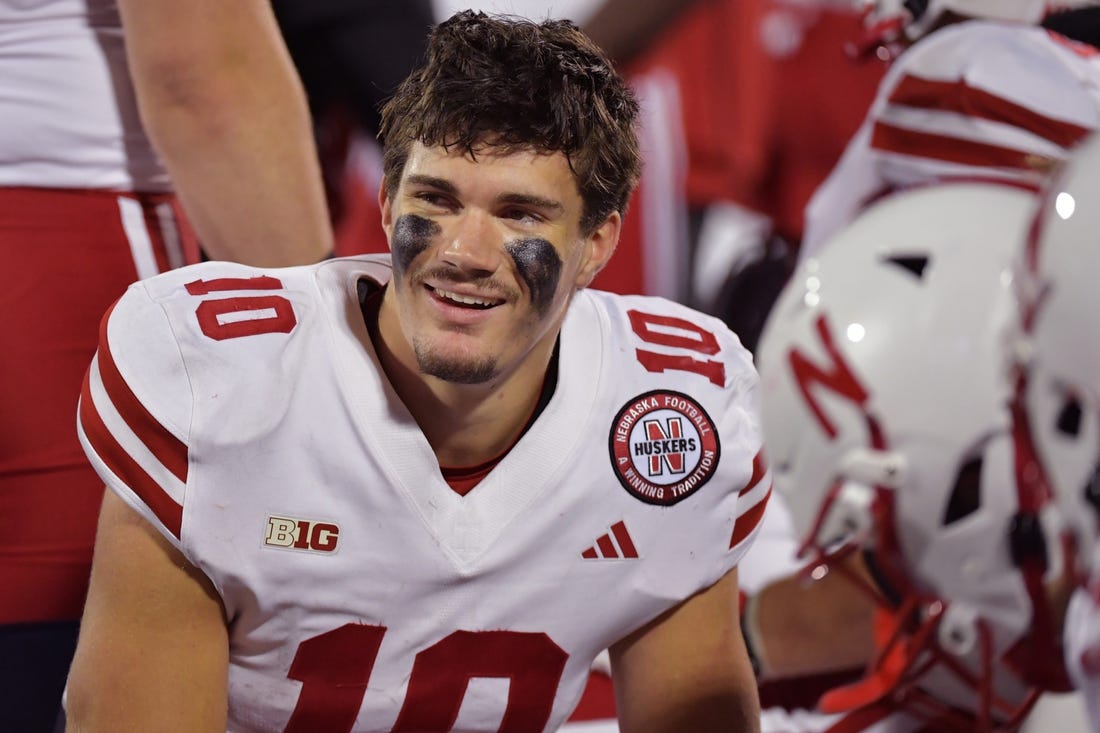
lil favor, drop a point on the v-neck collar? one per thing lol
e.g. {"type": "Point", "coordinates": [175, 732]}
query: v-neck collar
{"type": "Point", "coordinates": [465, 527]}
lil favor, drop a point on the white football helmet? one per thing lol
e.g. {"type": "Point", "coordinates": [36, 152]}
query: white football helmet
{"type": "Point", "coordinates": [889, 19]}
{"type": "Point", "coordinates": [1058, 352]}
{"type": "Point", "coordinates": [885, 410]}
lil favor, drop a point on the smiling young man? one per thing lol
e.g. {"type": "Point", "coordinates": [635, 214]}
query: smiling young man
{"type": "Point", "coordinates": [423, 492]}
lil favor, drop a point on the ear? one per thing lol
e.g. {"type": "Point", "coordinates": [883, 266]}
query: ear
{"type": "Point", "coordinates": [599, 246]}
{"type": "Point", "coordinates": [387, 210]}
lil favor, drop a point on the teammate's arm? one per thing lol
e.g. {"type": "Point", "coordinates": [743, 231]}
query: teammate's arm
{"type": "Point", "coordinates": [625, 28]}
{"type": "Point", "coordinates": [153, 653]}
{"type": "Point", "coordinates": [223, 104]}
{"type": "Point", "coordinates": [688, 670]}
{"type": "Point", "coordinates": [802, 627]}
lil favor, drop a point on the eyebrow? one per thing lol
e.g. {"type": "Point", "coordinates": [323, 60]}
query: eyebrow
{"type": "Point", "coordinates": [523, 199]}
{"type": "Point", "coordinates": [442, 184]}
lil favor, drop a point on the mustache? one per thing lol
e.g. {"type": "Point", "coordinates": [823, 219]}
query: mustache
{"type": "Point", "coordinates": [451, 274]}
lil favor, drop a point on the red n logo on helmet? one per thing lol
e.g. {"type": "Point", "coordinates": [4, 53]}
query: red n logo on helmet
{"type": "Point", "coordinates": [835, 376]}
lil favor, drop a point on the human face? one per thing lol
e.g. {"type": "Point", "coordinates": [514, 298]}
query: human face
{"type": "Point", "coordinates": [487, 253]}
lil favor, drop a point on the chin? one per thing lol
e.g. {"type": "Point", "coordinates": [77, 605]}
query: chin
{"type": "Point", "coordinates": [456, 370]}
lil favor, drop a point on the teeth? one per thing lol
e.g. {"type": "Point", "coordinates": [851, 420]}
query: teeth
{"type": "Point", "coordinates": [464, 299]}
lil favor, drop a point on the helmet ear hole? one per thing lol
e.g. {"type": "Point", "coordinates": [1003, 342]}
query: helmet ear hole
{"type": "Point", "coordinates": [1069, 418]}
{"type": "Point", "coordinates": [966, 496]}
{"type": "Point", "coordinates": [913, 263]}
{"type": "Point", "coordinates": [916, 8]}
{"type": "Point", "coordinates": [1092, 491]}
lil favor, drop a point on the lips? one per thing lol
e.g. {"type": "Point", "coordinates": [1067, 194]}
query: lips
{"type": "Point", "coordinates": [464, 300]}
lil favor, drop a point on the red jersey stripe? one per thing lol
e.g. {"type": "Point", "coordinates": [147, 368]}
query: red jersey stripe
{"type": "Point", "coordinates": [124, 466]}
{"type": "Point", "coordinates": [960, 97]}
{"type": "Point", "coordinates": [759, 468]}
{"type": "Point", "coordinates": [747, 522]}
{"type": "Point", "coordinates": [166, 447]}
{"type": "Point", "coordinates": [891, 139]}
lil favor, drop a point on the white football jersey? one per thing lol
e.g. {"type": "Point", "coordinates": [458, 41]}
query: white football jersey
{"type": "Point", "coordinates": [1082, 646]}
{"type": "Point", "coordinates": [244, 413]}
{"type": "Point", "coordinates": [68, 112]}
{"type": "Point", "coordinates": [979, 99]}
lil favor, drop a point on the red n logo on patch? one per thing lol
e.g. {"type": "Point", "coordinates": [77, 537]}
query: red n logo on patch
{"type": "Point", "coordinates": [836, 376]}
{"type": "Point", "coordinates": [660, 438]}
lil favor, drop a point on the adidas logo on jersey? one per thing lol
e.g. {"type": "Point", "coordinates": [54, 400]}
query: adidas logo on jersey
{"type": "Point", "coordinates": [615, 545]}
{"type": "Point", "coordinates": [301, 534]}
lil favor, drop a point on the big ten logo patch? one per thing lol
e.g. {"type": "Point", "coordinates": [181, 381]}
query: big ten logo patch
{"type": "Point", "coordinates": [664, 447]}
{"type": "Point", "coordinates": [301, 534]}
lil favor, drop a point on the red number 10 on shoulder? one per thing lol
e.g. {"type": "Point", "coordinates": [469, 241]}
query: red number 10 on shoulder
{"type": "Point", "coordinates": [677, 333]}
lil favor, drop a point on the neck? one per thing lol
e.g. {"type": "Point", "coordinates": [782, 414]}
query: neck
{"type": "Point", "coordinates": [465, 424]}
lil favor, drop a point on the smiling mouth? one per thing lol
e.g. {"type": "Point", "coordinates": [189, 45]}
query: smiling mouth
{"type": "Point", "coordinates": [465, 301]}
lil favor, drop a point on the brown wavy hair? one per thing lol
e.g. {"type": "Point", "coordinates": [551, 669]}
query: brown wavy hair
{"type": "Point", "coordinates": [507, 83]}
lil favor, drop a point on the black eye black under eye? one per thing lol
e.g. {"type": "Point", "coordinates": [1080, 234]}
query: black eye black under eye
{"type": "Point", "coordinates": [411, 235]}
{"type": "Point", "coordinates": [539, 266]}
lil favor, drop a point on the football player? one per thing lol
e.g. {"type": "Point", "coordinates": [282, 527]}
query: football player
{"type": "Point", "coordinates": [421, 492]}
{"type": "Point", "coordinates": [888, 428]}
{"type": "Point", "coordinates": [1057, 389]}
{"type": "Point", "coordinates": [115, 117]}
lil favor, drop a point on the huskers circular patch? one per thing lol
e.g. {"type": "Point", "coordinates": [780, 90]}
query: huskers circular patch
{"type": "Point", "coordinates": [664, 447]}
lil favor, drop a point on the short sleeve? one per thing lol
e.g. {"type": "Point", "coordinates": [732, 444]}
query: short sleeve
{"type": "Point", "coordinates": [135, 408]}
{"type": "Point", "coordinates": [753, 496]}
{"type": "Point", "coordinates": [983, 98]}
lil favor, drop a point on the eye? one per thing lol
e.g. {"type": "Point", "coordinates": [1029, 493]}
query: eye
{"type": "Point", "coordinates": [434, 198]}
{"type": "Point", "coordinates": [521, 215]}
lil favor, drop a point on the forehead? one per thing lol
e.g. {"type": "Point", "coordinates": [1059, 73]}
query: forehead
{"type": "Point", "coordinates": [521, 171]}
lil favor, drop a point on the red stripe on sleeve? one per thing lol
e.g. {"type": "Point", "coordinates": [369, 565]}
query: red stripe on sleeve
{"type": "Point", "coordinates": [960, 97]}
{"type": "Point", "coordinates": [891, 139]}
{"type": "Point", "coordinates": [759, 468]}
{"type": "Point", "coordinates": [168, 449]}
{"type": "Point", "coordinates": [747, 522]}
{"type": "Point", "coordinates": [124, 466]}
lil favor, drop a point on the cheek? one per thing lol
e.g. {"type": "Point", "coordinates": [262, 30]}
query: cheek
{"type": "Point", "coordinates": [411, 235]}
{"type": "Point", "coordinates": [539, 266]}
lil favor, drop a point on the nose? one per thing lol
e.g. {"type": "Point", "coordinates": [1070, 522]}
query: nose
{"type": "Point", "coordinates": [474, 243]}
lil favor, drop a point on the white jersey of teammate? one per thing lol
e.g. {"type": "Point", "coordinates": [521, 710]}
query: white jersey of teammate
{"type": "Point", "coordinates": [244, 413]}
{"type": "Point", "coordinates": [979, 99]}
{"type": "Point", "coordinates": [68, 114]}
{"type": "Point", "coordinates": [1082, 645]}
